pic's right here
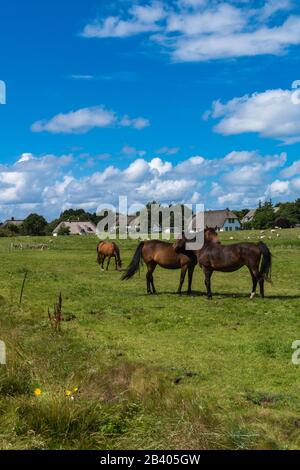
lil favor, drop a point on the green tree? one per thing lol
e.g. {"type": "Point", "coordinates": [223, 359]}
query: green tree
{"type": "Point", "coordinates": [34, 225]}
{"type": "Point", "coordinates": [264, 216]}
{"type": "Point", "coordinates": [290, 211]}
{"type": "Point", "coordinates": [63, 230]}
{"type": "Point", "coordinates": [80, 215]}
{"type": "Point", "coordinates": [51, 226]}
{"type": "Point", "coordinates": [241, 213]}
{"type": "Point", "coordinates": [13, 229]}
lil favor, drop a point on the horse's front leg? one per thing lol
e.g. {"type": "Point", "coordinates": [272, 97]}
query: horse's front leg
{"type": "Point", "coordinates": [102, 263]}
{"type": "Point", "coordinates": [208, 273]}
{"type": "Point", "coordinates": [108, 262]}
{"type": "Point", "coordinates": [182, 278]}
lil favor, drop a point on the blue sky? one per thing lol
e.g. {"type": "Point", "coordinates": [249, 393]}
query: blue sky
{"type": "Point", "coordinates": [183, 101]}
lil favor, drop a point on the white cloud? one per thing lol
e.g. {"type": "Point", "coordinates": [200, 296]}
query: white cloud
{"type": "Point", "coordinates": [230, 198]}
{"type": "Point", "coordinates": [248, 174]}
{"type": "Point", "coordinates": [292, 170]}
{"type": "Point", "coordinates": [224, 18]}
{"type": "Point", "coordinates": [167, 150]}
{"type": "Point", "coordinates": [26, 157]}
{"type": "Point", "coordinates": [141, 19]}
{"type": "Point", "coordinates": [199, 30]}
{"type": "Point", "coordinates": [149, 14]}
{"type": "Point", "coordinates": [83, 120]}
{"type": "Point", "coordinates": [270, 114]}
{"type": "Point", "coordinates": [166, 190]}
{"type": "Point", "coordinates": [254, 173]}
{"type": "Point", "coordinates": [137, 170]}
{"type": "Point", "coordinates": [278, 188]}
{"type": "Point", "coordinates": [137, 123]}
{"type": "Point", "coordinates": [25, 181]}
{"type": "Point", "coordinates": [160, 166]}
{"type": "Point", "coordinates": [240, 157]}
{"type": "Point", "coordinates": [296, 184]}
{"type": "Point", "coordinates": [49, 184]}
{"type": "Point", "coordinates": [192, 3]}
{"type": "Point", "coordinates": [274, 6]}
{"type": "Point", "coordinates": [132, 151]}
{"type": "Point", "coordinates": [83, 77]}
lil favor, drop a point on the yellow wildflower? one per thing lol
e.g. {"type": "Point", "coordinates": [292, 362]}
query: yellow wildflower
{"type": "Point", "coordinates": [37, 392]}
{"type": "Point", "coordinates": [75, 390]}
{"type": "Point", "coordinates": [68, 393]}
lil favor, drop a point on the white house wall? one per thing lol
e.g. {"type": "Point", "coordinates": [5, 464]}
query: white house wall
{"type": "Point", "coordinates": [231, 227]}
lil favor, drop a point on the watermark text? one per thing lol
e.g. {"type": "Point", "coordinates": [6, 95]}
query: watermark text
{"type": "Point", "coordinates": [2, 92]}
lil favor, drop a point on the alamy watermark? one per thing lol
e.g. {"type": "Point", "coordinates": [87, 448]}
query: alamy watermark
{"type": "Point", "coordinates": [141, 222]}
{"type": "Point", "coordinates": [2, 92]}
{"type": "Point", "coordinates": [296, 354]}
{"type": "Point", "coordinates": [2, 353]}
{"type": "Point", "coordinates": [295, 96]}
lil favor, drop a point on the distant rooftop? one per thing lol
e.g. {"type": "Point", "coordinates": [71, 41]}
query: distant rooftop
{"type": "Point", "coordinates": [77, 228]}
{"type": "Point", "coordinates": [13, 221]}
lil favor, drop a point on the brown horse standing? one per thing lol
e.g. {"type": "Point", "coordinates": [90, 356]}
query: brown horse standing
{"type": "Point", "coordinates": [228, 258]}
{"type": "Point", "coordinates": [156, 252]}
{"type": "Point", "coordinates": [108, 250]}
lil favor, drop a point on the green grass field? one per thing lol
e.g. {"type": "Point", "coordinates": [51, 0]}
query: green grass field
{"type": "Point", "coordinates": [153, 372]}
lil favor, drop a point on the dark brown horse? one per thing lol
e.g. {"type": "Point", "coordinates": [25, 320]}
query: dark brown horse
{"type": "Point", "coordinates": [156, 252]}
{"type": "Point", "coordinates": [108, 250]}
{"type": "Point", "coordinates": [228, 258]}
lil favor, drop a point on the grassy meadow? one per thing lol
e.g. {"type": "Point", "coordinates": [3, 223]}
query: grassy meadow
{"type": "Point", "coordinates": [152, 372]}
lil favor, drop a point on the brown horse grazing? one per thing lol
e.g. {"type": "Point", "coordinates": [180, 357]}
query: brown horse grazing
{"type": "Point", "coordinates": [156, 252]}
{"type": "Point", "coordinates": [228, 258]}
{"type": "Point", "coordinates": [108, 250]}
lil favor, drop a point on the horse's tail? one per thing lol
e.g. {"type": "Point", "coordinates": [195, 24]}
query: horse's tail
{"type": "Point", "coordinates": [266, 264]}
{"type": "Point", "coordinates": [117, 255]}
{"type": "Point", "coordinates": [98, 260]}
{"type": "Point", "coordinates": [135, 263]}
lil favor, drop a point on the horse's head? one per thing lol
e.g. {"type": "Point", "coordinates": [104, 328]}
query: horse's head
{"type": "Point", "coordinates": [179, 245]}
{"type": "Point", "coordinates": [210, 235]}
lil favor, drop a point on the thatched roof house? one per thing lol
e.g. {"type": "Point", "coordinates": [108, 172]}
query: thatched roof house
{"type": "Point", "coordinates": [13, 221]}
{"type": "Point", "coordinates": [76, 228]}
{"type": "Point", "coordinates": [249, 216]}
{"type": "Point", "coordinates": [222, 220]}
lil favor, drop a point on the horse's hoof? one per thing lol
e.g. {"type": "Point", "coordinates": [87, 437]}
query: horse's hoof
{"type": "Point", "coordinates": [252, 296]}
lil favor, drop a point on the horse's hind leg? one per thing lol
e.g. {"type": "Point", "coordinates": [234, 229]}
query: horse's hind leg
{"type": "Point", "coordinates": [116, 263]}
{"type": "Point", "coordinates": [102, 262]}
{"type": "Point", "coordinates": [182, 278]}
{"type": "Point", "coordinates": [255, 277]}
{"type": "Point", "coordinates": [262, 287]}
{"type": "Point", "coordinates": [190, 278]}
{"type": "Point", "coordinates": [150, 282]}
{"type": "Point", "coordinates": [208, 273]}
